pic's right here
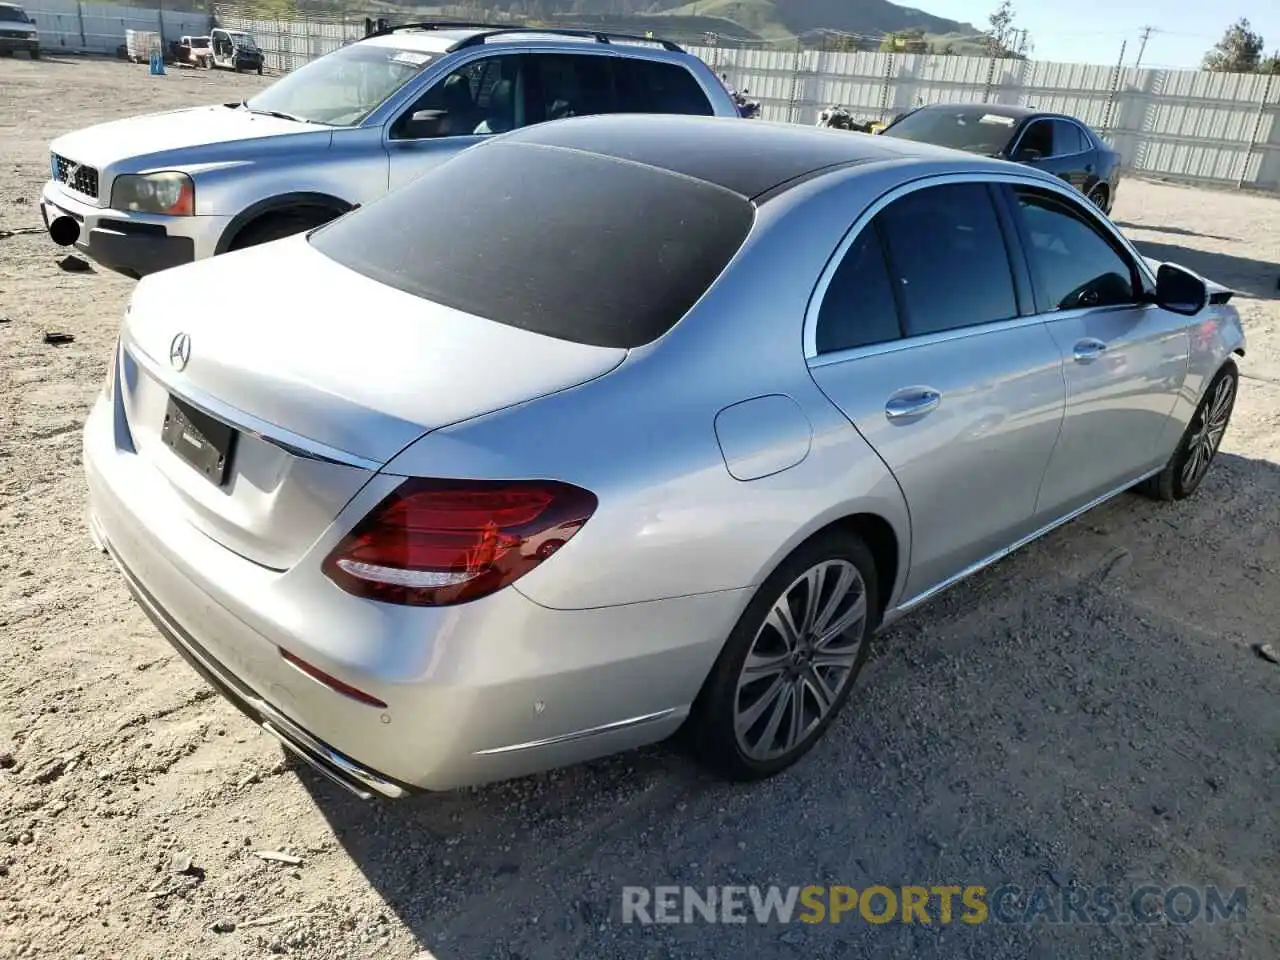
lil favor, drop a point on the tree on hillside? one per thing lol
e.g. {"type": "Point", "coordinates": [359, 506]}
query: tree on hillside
{"type": "Point", "coordinates": [1239, 50]}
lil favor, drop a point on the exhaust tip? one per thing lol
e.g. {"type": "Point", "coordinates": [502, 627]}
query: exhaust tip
{"type": "Point", "coordinates": [64, 230]}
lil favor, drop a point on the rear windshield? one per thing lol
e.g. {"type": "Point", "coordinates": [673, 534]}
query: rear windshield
{"type": "Point", "coordinates": [974, 129]}
{"type": "Point", "coordinates": [560, 242]}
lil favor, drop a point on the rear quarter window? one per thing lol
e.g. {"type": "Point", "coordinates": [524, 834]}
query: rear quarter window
{"type": "Point", "coordinates": [557, 241]}
{"type": "Point", "coordinates": [653, 86]}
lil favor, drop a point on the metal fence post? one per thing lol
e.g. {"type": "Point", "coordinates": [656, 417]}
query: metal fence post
{"type": "Point", "coordinates": [795, 84]}
{"type": "Point", "coordinates": [84, 44]}
{"type": "Point", "coordinates": [885, 84]}
{"type": "Point", "coordinates": [1257, 129]}
{"type": "Point", "coordinates": [1114, 88]}
{"type": "Point", "coordinates": [991, 79]}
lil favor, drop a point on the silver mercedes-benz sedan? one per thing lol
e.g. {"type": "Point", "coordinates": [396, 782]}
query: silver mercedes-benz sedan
{"type": "Point", "coordinates": [625, 424]}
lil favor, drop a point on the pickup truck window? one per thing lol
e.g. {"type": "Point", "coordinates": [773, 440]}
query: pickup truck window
{"type": "Point", "coordinates": [343, 87]}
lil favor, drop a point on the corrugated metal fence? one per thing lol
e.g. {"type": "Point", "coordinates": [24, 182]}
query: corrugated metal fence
{"type": "Point", "coordinates": [1182, 124]}
{"type": "Point", "coordinates": [100, 27]}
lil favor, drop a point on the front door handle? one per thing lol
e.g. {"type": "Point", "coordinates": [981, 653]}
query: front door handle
{"type": "Point", "coordinates": [1088, 350]}
{"type": "Point", "coordinates": [913, 402]}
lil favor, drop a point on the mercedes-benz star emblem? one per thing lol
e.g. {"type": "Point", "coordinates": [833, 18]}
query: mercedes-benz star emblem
{"type": "Point", "coordinates": [180, 351]}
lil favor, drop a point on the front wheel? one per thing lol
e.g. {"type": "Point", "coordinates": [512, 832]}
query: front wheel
{"type": "Point", "coordinates": [791, 661]}
{"type": "Point", "coordinates": [1190, 462]}
{"type": "Point", "coordinates": [33, 53]}
{"type": "Point", "coordinates": [1098, 197]}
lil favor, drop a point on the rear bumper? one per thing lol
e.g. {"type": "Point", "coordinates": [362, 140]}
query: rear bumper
{"type": "Point", "coordinates": [323, 758]}
{"type": "Point", "coordinates": [132, 244]}
{"type": "Point", "coordinates": [491, 690]}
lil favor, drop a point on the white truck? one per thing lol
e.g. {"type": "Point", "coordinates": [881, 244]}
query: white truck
{"type": "Point", "coordinates": [18, 32]}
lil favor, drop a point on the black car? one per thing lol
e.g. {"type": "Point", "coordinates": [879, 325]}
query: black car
{"type": "Point", "coordinates": [1053, 142]}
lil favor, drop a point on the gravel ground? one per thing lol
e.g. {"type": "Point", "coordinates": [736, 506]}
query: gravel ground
{"type": "Point", "coordinates": [1090, 712]}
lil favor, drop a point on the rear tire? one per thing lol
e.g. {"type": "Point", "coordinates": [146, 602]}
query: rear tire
{"type": "Point", "coordinates": [1190, 463]}
{"type": "Point", "coordinates": [277, 226]}
{"type": "Point", "coordinates": [791, 661]}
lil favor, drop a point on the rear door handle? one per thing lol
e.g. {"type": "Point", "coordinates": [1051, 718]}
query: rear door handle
{"type": "Point", "coordinates": [912, 402]}
{"type": "Point", "coordinates": [1088, 350]}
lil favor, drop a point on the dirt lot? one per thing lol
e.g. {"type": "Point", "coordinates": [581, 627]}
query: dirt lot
{"type": "Point", "coordinates": [1090, 712]}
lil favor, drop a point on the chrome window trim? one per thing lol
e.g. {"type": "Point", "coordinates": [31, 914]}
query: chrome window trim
{"type": "Point", "coordinates": [1051, 185]}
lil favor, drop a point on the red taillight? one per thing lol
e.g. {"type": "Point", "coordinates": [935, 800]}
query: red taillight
{"type": "Point", "coordinates": [441, 542]}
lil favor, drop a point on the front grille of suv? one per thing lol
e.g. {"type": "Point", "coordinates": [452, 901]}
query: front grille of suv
{"type": "Point", "coordinates": [77, 176]}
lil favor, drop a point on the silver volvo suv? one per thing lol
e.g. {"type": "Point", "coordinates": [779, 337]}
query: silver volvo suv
{"type": "Point", "coordinates": [151, 192]}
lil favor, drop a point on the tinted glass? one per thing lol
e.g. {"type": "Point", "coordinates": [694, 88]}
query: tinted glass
{"type": "Point", "coordinates": [948, 259]}
{"type": "Point", "coordinates": [1038, 136]}
{"type": "Point", "coordinates": [858, 308]}
{"type": "Point", "coordinates": [573, 86]}
{"type": "Point", "coordinates": [974, 129]}
{"type": "Point", "coordinates": [650, 86]}
{"type": "Point", "coordinates": [13, 14]}
{"type": "Point", "coordinates": [1074, 265]}
{"type": "Point", "coordinates": [565, 243]}
{"type": "Point", "coordinates": [1067, 139]}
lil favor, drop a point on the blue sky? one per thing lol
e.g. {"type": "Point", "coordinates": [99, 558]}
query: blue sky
{"type": "Point", "coordinates": [1091, 31]}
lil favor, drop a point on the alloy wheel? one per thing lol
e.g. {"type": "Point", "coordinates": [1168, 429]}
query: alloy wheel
{"type": "Point", "coordinates": [801, 659]}
{"type": "Point", "coordinates": [1203, 444]}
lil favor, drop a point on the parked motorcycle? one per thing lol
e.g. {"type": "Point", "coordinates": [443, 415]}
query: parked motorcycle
{"type": "Point", "coordinates": [747, 109]}
{"type": "Point", "coordinates": [838, 118]}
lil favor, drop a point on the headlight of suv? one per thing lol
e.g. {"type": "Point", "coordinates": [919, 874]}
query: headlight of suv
{"type": "Point", "coordinates": [170, 193]}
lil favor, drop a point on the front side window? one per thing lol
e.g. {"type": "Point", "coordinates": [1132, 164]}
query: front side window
{"type": "Point", "coordinates": [1037, 141]}
{"type": "Point", "coordinates": [486, 96]}
{"type": "Point", "coordinates": [341, 88]}
{"type": "Point", "coordinates": [1074, 264]}
{"type": "Point", "coordinates": [858, 308]}
{"type": "Point", "coordinates": [948, 259]}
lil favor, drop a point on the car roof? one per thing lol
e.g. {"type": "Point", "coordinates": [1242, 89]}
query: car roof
{"type": "Point", "coordinates": [747, 157]}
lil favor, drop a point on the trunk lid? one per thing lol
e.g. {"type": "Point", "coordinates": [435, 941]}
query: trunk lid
{"type": "Point", "coordinates": [325, 374]}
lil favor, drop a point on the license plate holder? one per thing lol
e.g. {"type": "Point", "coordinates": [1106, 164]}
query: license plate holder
{"type": "Point", "coordinates": [206, 444]}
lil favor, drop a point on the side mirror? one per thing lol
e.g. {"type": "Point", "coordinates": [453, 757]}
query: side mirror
{"type": "Point", "coordinates": [31, 20]}
{"type": "Point", "coordinates": [422, 124]}
{"type": "Point", "coordinates": [1178, 290]}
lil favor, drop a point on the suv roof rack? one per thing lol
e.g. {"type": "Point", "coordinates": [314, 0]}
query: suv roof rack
{"type": "Point", "coordinates": [498, 29]}
{"type": "Point", "coordinates": [433, 25]}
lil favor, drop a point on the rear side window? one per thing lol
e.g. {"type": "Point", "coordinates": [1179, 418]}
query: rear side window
{"type": "Point", "coordinates": [652, 86]}
{"type": "Point", "coordinates": [948, 259]}
{"type": "Point", "coordinates": [564, 243]}
{"type": "Point", "coordinates": [858, 308]}
{"type": "Point", "coordinates": [1067, 139]}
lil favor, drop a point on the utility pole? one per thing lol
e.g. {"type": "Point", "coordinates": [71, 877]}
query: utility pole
{"type": "Point", "coordinates": [1146, 35]}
